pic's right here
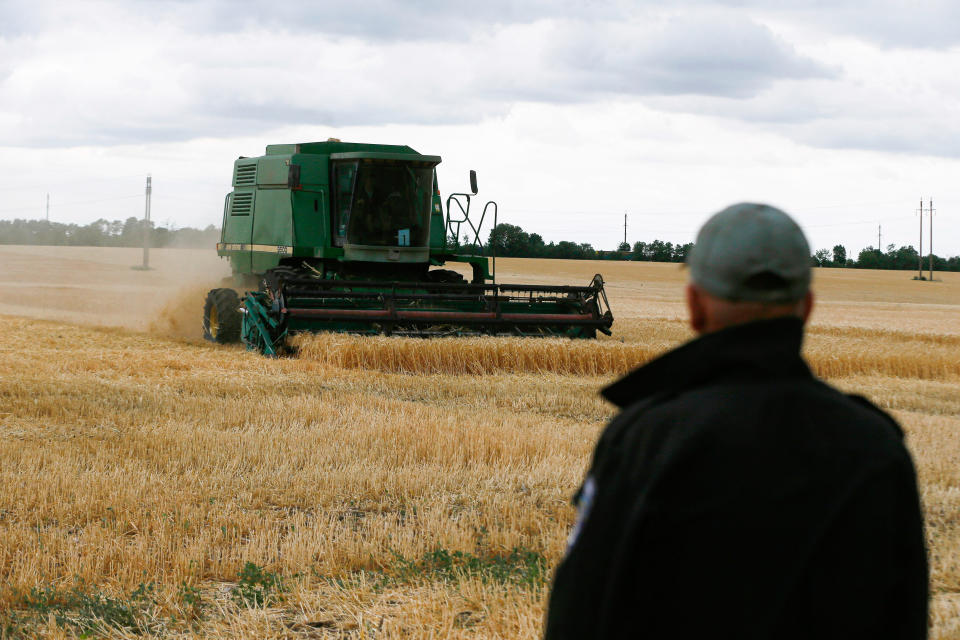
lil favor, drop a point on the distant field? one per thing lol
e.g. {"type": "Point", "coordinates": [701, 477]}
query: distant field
{"type": "Point", "coordinates": [394, 487]}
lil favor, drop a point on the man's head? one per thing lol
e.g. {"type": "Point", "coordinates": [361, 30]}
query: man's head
{"type": "Point", "coordinates": [750, 262]}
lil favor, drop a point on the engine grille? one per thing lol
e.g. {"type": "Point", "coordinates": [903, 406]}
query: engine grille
{"type": "Point", "coordinates": [246, 175]}
{"type": "Point", "coordinates": [241, 204]}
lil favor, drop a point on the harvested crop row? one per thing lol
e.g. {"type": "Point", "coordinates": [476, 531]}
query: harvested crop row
{"type": "Point", "coordinates": [474, 355]}
{"type": "Point", "coordinates": [830, 356]}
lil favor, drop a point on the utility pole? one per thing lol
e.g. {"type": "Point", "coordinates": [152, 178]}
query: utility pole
{"type": "Point", "coordinates": [920, 252]}
{"type": "Point", "coordinates": [48, 207]}
{"type": "Point", "coordinates": [624, 227]}
{"type": "Point", "coordinates": [931, 239]}
{"type": "Point", "coordinates": [146, 227]}
{"type": "Point", "coordinates": [879, 245]}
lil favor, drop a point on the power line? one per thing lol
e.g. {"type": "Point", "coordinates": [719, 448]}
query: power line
{"type": "Point", "coordinates": [842, 224]}
{"type": "Point", "coordinates": [167, 196]}
{"type": "Point", "coordinates": [697, 213]}
{"type": "Point", "coordinates": [61, 181]}
{"type": "Point", "coordinates": [848, 204]}
{"type": "Point", "coordinates": [73, 203]}
{"type": "Point", "coordinates": [608, 213]}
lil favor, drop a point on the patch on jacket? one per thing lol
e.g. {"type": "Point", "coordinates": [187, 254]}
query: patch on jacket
{"type": "Point", "coordinates": [584, 503]}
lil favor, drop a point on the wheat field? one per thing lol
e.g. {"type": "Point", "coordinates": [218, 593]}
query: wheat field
{"type": "Point", "coordinates": [154, 484]}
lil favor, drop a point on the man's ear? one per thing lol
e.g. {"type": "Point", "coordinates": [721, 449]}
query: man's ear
{"type": "Point", "coordinates": [698, 315]}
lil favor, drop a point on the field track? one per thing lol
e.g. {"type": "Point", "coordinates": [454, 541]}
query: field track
{"type": "Point", "coordinates": [370, 487]}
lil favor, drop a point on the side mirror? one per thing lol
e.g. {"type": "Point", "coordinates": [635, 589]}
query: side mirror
{"type": "Point", "coordinates": [473, 181]}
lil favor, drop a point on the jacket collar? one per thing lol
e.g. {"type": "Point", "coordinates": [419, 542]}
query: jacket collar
{"type": "Point", "coordinates": [766, 347]}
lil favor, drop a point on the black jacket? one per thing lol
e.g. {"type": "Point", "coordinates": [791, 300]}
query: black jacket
{"type": "Point", "coordinates": [737, 496]}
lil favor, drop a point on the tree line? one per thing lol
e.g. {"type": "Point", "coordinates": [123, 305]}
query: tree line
{"type": "Point", "coordinates": [104, 233]}
{"type": "Point", "coordinates": [508, 240]}
{"type": "Point", "coordinates": [505, 240]}
{"type": "Point", "coordinates": [903, 258]}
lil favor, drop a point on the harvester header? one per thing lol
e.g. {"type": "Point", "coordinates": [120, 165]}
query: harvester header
{"type": "Point", "coordinates": [341, 236]}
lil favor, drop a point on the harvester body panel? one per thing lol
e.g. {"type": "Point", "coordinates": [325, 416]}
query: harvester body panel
{"type": "Point", "coordinates": [339, 236]}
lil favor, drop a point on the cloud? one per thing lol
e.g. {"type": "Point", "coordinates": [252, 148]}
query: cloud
{"type": "Point", "coordinates": [919, 24]}
{"type": "Point", "coordinates": [705, 53]}
{"type": "Point", "coordinates": [134, 78]}
{"type": "Point", "coordinates": [885, 100]}
{"type": "Point", "coordinates": [888, 23]}
{"type": "Point", "coordinates": [105, 73]}
{"type": "Point", "coordinates": [410, 20]}
{"type": "Point", "coordinates": [927, 138]}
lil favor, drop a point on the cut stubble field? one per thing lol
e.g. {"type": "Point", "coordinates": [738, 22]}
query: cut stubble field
{"type": "Point", "coordinates": [370, 487]}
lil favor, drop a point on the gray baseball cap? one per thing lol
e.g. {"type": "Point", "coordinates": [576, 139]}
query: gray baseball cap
{"type": "Point", "coordinates": [751, 252]}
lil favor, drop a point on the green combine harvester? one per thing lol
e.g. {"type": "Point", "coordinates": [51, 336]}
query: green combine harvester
{"type": "Point", "coordinates": [340, 236]}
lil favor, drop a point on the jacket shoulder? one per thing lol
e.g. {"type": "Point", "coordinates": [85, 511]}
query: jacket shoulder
{"type": "Point", "coordinates": [641, 415]}
{"type": "Point", "coordinates": [877, 411]}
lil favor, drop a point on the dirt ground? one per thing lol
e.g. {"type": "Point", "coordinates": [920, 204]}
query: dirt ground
{"type": "Point", "coordinates": [98, 286]}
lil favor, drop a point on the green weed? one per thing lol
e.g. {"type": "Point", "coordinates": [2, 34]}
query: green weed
{"type": "Point", "coordinates": [256, 587]}
{"type": "Point", "coordinates": [521, 567]}
{"type": "Point", "coordinates": [88, 613]}
{"type": "Point", "coordinates": [191, 599]}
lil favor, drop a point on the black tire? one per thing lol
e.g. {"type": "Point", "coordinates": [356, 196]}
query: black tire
{"type": "Point", "coordinates": [221, 316]}
{"type": "Point", "coordinates": [444, 275]}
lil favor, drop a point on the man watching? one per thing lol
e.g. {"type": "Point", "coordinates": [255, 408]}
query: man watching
{"type": "Point", "coordinates": [736, 495]}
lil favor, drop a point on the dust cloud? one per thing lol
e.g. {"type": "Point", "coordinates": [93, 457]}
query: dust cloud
{"type": "Point", "coordinates": [98, 286]}
{"type": "Point", "coordinates": [181, 316]}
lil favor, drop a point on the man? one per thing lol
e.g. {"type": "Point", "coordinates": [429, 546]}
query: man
{"type": "Point", "coordinates": [371, 211]}
{"type": "Point", "coordinates": [737, 496]}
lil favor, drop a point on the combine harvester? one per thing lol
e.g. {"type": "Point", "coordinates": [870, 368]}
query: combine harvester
{"type": "Point", "coordinates": [339, 236]}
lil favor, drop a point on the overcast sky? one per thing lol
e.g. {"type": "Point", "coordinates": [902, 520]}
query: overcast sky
{"type": "Point", "coordinates": [571, 112]}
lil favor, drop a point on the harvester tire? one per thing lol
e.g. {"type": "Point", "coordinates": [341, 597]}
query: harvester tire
{"type": "Point", "coordinates": [444, 275]}
{"type": "Point", "coordinates": [221, 316]}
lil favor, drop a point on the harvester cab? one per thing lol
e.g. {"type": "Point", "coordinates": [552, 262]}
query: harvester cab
{"type": "Point", "coordinates": [338, 236]}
